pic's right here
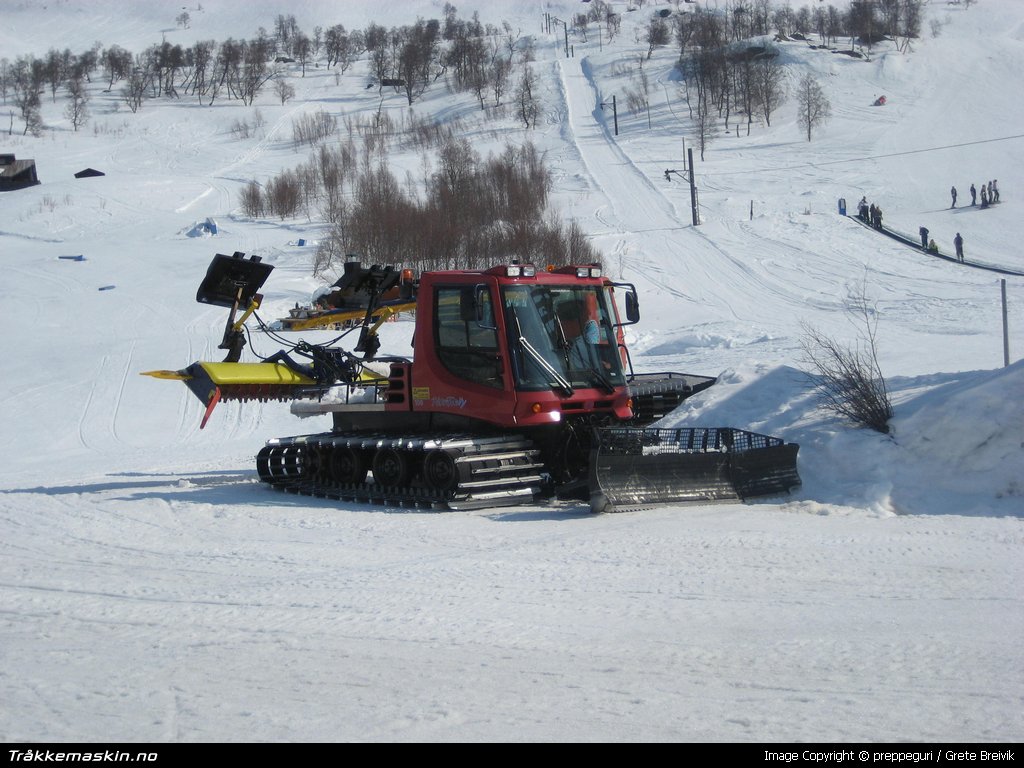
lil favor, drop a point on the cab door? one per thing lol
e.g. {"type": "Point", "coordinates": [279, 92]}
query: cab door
{"type": "Point", "coordinates": [468, 373]}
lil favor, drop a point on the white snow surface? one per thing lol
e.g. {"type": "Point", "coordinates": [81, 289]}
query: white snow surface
{"type": "Point", "coordinates": [151, 589]}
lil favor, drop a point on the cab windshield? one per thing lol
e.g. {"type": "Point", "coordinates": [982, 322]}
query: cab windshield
{"type": "Point", "coordinates": [562, 335]}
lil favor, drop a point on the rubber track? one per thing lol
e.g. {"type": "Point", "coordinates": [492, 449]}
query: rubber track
{"type": "Point", "coordinates": [486, 471]}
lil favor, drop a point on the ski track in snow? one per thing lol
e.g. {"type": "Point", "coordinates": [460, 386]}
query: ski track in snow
{"type": "Point", "coordinates": [606, 164]}
{"type": "Point", "coordinates": [82, 426]}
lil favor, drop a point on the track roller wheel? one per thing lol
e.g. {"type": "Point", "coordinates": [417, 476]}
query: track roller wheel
{"type": "Point", "coordinates": [440, 470]}
{"type": "Point", "coordinates": [390, 467]}
{"type": "Point", "coordinates": [347, 465]}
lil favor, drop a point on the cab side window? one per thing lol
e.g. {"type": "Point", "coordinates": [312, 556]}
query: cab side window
{"type": "Point", "coordinates": [465, 345]}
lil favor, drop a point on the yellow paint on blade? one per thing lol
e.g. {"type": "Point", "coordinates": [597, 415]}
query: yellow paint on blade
{"type": "Point", "coordinates": [253, 373]}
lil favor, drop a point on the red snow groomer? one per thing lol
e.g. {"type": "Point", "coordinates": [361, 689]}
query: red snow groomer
{"type": "Point", "coordinates": [521, 386]}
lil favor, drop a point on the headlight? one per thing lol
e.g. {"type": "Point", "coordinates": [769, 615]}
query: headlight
{"type": "Point", "coordinates": [520, 270]}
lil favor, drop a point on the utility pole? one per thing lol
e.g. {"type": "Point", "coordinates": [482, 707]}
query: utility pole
{"type": "Point", "coordinates": [615, 113]}
{"type": "Point", "coordinates": [693, 186]}
{"type": "Point", "coordinates": [693, 190]}
{"type": "Point", "coordinates": [565, 31]}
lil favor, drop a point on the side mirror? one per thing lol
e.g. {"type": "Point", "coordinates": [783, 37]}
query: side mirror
{"type": "Point", "coordinates": [632, 307]}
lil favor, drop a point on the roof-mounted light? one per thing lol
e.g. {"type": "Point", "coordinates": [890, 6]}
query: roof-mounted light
{"type": "Point", "coordinates": [520, 270]}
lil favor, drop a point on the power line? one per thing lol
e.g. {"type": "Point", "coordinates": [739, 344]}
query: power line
{"type": "Point", "coordinates": [875, 157]}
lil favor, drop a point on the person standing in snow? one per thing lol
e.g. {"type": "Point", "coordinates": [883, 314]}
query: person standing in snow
{"type": "Point", "coordinates": [974, 195]}
{"type": "Point", "coordinates": [952, 193]}
{"type": "Point", "coordinates": [958, 243]}
{"type": "Point", "coordinates": [995, 190]}
{"type": "Point", "coordinates": [984, 196]}
{"type": "Point", "coordinates": [924, 238]}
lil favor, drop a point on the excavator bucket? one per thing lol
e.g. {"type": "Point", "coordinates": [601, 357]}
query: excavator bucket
{"type": "Point", "coordinates": [634, 468]}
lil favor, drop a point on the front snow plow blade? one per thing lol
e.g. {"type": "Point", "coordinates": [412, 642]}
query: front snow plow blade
{"type": "Point", "coordinates": [641, 468]}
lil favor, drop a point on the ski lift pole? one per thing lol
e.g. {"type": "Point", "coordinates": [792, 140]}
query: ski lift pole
{"type": "Point", "coordinates": [565, 31]}
{"type": "Point", "coordinates": [693, 190]}
{"type": "Point", "coordinates": [615, 113]}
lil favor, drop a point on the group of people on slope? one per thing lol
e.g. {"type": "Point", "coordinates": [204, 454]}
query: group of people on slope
{"type": "Point", "coordinates": [931, 247]}
{"type": "Point", "coordinates": [989, 194]}
{"type": "Point", "coordinates": [869, 214]}
{"type": "Point", "coordinates": [872, 214]}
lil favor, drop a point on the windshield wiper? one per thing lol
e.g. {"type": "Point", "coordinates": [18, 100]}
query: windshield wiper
{"type": "Point", "coordinates": [603, 380]}
{"type": "Point", "coordinates": [536, 356]}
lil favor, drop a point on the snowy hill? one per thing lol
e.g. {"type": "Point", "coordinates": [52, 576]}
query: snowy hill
{"type": "Point", "coordinates": [153, 590]}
